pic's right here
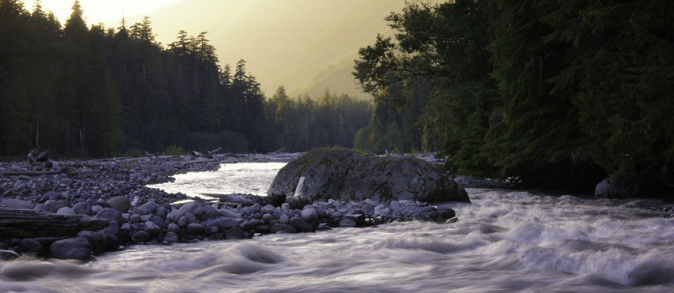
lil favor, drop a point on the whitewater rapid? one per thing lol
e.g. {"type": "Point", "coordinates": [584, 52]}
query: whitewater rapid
{"type": "Point", "coordinates": [504, 241]}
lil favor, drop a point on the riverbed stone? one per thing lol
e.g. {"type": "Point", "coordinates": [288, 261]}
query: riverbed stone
{"type": "Point", "coordinates": [235, 233]}
{"type": "Point", "coordinates": [53, 205]}
{"type": "Point", "coordinates": [346, 222]}
{"type": "Point", "coordinates": [135, 218]}
{"type": "Point", "coordinates": [71, 248]}
{"type": "Point", "coordinates": [152, 228]}
{"type": "Point", "coordinates": [282, 228]}
{"type": "Point", "coordinates": [201, 211]}
{"type": "Point", "coordinates": [141, 236]}
{"type": "Point", "coordinates": [618, 186]}
{"type": "Point", "coordinates": [32, 245]}
{"type": "Point", "coordinates": [301, 225]}
{"type": "Point", "coordinates": [13, 203]}
{"type": "Point", "coordinates": [284, 219]}
{"type": "Point", "coordinates": [226, 223]}
{"type": "Point", "coordinates": [145, 208]}
{"type": "Point", "coordinates": [186, 219]}
{"type": "Point", "coordinates": [171, 237]}
{"type": "Point", "coordinates": [111, 214]}
{"type": "Point", "coordinates": [82, 208]}
{"type": "Point", "coordinates": [310, 215]}
{"type": "Point", "coordinates": [8, 254]}
{"type": "Point", "coordinates": [65, 211]}
{"type": "Point", "coordinates": [195, 229]}
{"type": "Point", "coordinates": [173, 227]}
{"type": "Point", "coordinates": [120, 203]}
{"type": "Point", "coordinates": [348, 175]}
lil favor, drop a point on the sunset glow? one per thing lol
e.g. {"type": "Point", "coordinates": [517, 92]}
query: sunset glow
{"type": "Point", "coordinates": [100, 11]}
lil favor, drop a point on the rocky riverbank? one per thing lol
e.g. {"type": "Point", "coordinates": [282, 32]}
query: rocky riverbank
{"type": "Point", "coordinates": [115, 191]}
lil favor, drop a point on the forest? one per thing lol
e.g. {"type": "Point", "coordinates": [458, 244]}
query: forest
{"type": "Point", "coordinates": [546, 93]}
{"type": "Point", "coordinates": [92, 92]}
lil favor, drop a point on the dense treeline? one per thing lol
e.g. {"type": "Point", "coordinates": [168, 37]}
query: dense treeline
{"type": "Point", "coordinates": [303, 124]}
{"type": "Point", "coordinates": [550, 92]}
{"type": "Point", "coordinates": [98, 92]}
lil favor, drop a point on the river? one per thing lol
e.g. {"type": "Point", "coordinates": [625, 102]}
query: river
{"type": "Point", "coordinates": [504, 241]}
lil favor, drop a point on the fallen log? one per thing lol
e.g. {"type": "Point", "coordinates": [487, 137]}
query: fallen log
{"type": "Point", "coordinates": [32, 224]}
{"type": "Point", "coordinates": [32, 173]}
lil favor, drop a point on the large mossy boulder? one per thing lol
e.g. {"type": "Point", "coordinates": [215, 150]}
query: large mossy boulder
{"type": "Point", "coordinates": [344, 174]}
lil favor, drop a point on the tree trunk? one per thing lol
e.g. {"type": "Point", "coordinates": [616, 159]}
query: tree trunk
{"type": "Point", "coordinates": [33, 224]}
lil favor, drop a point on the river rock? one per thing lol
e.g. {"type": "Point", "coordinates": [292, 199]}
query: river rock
{"type": "Point", "coordinates": [71, 248]}
{"type": "Point", "coordinates": [152, 228]}
{"type": "Point", "coordinates": [53, 205]}
{"type": "Point", "coordinates": [111, 214]}
{"type": "Point", "coordinates": [32, 245]}
{"type": "Point", "coordinates": [120, 203]}
{"type": "Point", "coordinates": [623, 186]}
{"type": "Point", "coordinates": [346, 222]}
{"type": "Point", "coordinates": [145, 208]}
{"type": "Point", "coordinates": [8, 255]}
{"type": "Point", "coordinates": [310, 215]}
{"type": "Point", "coordinates": [82, 208]}
{"type": "Point", "coordinates": [65, 211]}
{"type": "Point", "coordinates": [200, 210]}
{"type": "Point", "coordinates": [282, 228]}
{"type": "Point", "coordinates": [301, 225]}
{"type": "Point", "coordinates": [171, 237]}
{"type": "Point", "coordinates": [195, 229]}
{"type": "Point", "coordinates": [141, 236]}
{"type": "Point", "coordinates": [100, 241]}
{"type": "Point", "coordinates": [348, 175]}
{"type": "Point", "coordinates": [235, 233]}
{"type": "Point", "coordinates": [13, 203]}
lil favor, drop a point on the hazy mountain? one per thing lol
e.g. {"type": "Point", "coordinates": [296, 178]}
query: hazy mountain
{"type": "Point", "coordinates": [304, 45]}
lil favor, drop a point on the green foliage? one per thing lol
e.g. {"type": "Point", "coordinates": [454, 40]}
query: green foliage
{"type": "Point", "coordinates": [303, 123]}
{"type": "Point", "coordinates": [174, 150]}
{"type": "Point", "coordinates": [552, 93]}
{"type": "Point", "coordinates": [96, 92]}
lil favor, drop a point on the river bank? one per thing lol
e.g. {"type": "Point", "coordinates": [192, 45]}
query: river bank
{"type": "Point", "coordinates": [115, 190]}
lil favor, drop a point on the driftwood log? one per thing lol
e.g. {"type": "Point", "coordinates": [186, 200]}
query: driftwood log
{"type": "Point", "coordinates": [32, 224]}
{"type": "Point", "coordinates": [32, 173]}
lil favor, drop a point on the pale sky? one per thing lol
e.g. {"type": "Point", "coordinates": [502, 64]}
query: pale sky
{"type": "Point", "coordinates": [96, 11]}
{"type": "Point", "coordinates": [304, 45]}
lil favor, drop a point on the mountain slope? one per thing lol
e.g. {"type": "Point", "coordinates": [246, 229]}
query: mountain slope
{"type": "Point", "coordinates": [286, 42]}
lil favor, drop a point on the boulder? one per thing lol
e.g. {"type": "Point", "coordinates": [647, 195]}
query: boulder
{"type": "Point", "coordinates": [71, 248]}
{"type": "Point", "coordinates": [348, 175]}
{"type": "Point", "coordinates": [622, 186]}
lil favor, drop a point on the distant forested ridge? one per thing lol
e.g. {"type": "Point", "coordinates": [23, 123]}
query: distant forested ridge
{"type": "Point", "coordinates": [100, 92]}
{"type": "Point", "coordinates": [552, 93]}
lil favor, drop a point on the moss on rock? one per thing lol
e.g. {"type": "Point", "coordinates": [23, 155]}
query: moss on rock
{"type": "Point", "coordinates": [348, 175]}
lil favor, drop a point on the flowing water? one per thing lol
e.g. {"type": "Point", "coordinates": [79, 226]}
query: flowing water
{"type": "Point", "coordinates": [504, 241]}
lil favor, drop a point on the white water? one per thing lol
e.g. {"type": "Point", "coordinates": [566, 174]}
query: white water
{"type": "Point", "coordinates": [505, 241]}
{"type": "Point", "coordinates": [246, 178]}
